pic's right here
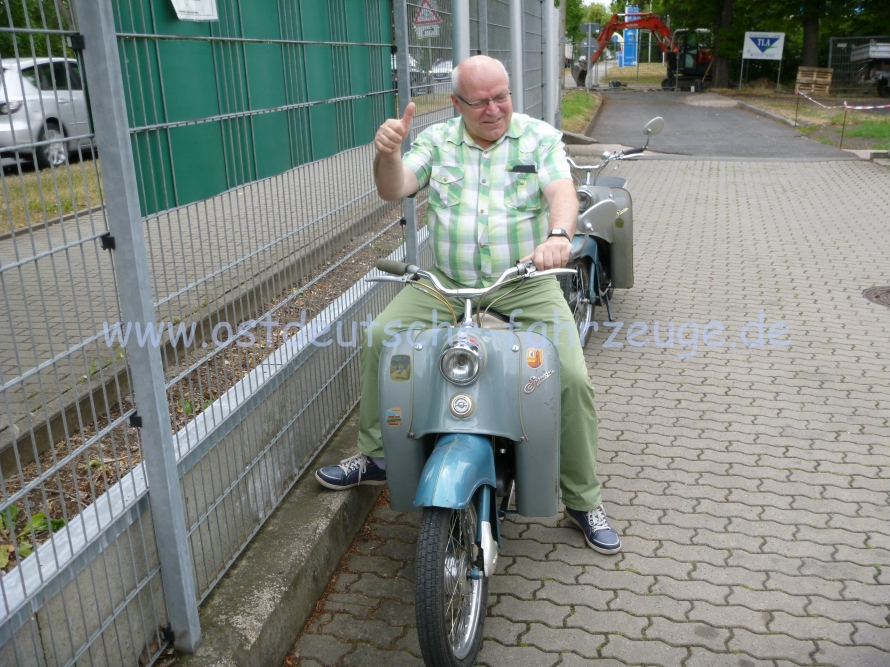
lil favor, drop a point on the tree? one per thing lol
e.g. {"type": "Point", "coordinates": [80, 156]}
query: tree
{"type": "Point", "coordinates": [596, 13]}
{"type": "Point", "coordinates": [34, 15]}
{"type": "Point", "coordinates": [574, 18]}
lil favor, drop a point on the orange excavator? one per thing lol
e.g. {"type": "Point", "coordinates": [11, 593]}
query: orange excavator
{"type": "Point", "coordinates": [688, 52]}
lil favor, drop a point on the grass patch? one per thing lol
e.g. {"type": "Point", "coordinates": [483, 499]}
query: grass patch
{"type": "Point", "coordinates": [864, 129]}
{"type": "Point", "coordinates": [34, 197]}
{"type": "Point", "coordinates": [871, 129]}
{"type": "Point", "coordinates": [577, 110]}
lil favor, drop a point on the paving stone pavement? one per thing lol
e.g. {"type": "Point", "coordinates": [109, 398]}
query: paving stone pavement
{"type": "Point", "coordinates": [750, 484]}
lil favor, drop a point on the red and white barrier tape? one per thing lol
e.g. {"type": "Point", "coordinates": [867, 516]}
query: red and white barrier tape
{"type": "Point", "coordinates": [844, 105]}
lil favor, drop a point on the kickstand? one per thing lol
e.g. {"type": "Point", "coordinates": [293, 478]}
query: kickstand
{"type": "Point", "coordinates": [608, 307]}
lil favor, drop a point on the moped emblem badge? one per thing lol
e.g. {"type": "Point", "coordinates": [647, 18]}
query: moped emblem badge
{"type": "Point", "coordinates": [534, 357]}
{"type": "Point", "coordinates": [534, 381]}
{"type": "Point", "coordinates": [400, 368]}
{"type": "Point", "coordinates": [462, 405]}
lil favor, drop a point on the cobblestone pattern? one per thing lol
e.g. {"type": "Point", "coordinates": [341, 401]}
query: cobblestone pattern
{"type": "Point", "coordinates": [750, 484]}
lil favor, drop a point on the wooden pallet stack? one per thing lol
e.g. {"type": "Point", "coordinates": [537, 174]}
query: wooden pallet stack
{"type": "Point", "coordinates": [814, 80]}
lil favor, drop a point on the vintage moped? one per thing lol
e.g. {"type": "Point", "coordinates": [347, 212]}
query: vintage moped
{"type": "Point", "coordinates": [602, 248]}
{"type": "Point", "coordinates": [470, 419]}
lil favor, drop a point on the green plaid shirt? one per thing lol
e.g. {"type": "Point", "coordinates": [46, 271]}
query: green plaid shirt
{"type": "Point", "coordinates": [483, 215]}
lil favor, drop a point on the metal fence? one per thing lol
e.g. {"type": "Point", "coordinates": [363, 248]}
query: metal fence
{"type": "Point", "coordinates": [846, 73]}
{"type": "Point", "coordinates": [190, 213]}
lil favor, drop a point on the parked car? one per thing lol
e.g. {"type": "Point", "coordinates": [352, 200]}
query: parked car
{"type": "Point", "coordinates": [42, 102]}
{"type": "Point", "coordinates": [442, 70]}
{"type": "Point", "coordinates": [421, 80]}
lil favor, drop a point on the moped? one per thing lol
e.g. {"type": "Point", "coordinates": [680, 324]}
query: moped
{"type": "Point", "coordinates": [602, 249]}
{"type": "Point", "coordinates": [470, 419]}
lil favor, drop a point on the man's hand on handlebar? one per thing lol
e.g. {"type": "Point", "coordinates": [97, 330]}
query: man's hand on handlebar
{"type": "Point", "coordinates": [551, 254]}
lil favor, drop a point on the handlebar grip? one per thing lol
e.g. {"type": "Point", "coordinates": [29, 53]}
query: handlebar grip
{"type": "Point", "coordinates": [394, 267]}
{"type": "Point", "coordinates": [634, 151]}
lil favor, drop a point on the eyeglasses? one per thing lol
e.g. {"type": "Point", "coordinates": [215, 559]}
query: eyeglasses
{"type": "Point", "coordinates": [482, 104]}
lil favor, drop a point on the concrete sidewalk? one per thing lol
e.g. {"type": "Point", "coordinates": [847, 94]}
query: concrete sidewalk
{"type": "Point", "coordinates": [750, 484]}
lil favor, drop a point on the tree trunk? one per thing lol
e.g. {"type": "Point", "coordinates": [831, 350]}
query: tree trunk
{"type": "Point", "coordinates": [721, 27]}
{"type": "Point", "coordinates": [811, 11]}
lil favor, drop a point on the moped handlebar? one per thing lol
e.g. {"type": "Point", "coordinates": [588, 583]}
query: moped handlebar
{"type": "Point", "coordinates": [410, 272]}
{"type": "Point", "coordinates": [634, 151]}
{"type": "Point", "coordinates": [396, 268]}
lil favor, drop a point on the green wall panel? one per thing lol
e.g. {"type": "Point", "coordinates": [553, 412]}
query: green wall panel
{"type": "Point", "coordinates": [197, 152]}
{"type": "Point", "coordinates": [266, 75]}
{"type": "Point", "coordinates": [175, 79]}
{"type": "Point", "coordinates": [323, 122]}
{"type": "Point", "coordinates": [272, 144]}
{"type": "Point", "coordinates": [190, 91]}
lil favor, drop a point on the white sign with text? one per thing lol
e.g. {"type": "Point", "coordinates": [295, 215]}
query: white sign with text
{"type": "Point", "coordinates": [195, 10]}
{"type": "Point", "coordinates": [763, 45]}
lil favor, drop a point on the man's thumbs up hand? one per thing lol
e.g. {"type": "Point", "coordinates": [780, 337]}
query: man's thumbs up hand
{"type": "Point", "coordinates": [393, 132]}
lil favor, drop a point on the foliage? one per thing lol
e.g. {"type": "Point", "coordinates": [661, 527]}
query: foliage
{"type": "Point", "coordinates": [34, 15]}
{"type": "Point", "coordinates": [574, 18]}
{"type": "Point", "coordinates": [837, 18]}
{"type": "Point", "coordinates": [596, 13]}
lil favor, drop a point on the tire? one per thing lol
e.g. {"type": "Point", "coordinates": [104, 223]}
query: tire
{"type": "Point", "coordinates": [576, 290]}
{"type": "Point", "coordinates": [444, 594]}
{"type": "Point", "coordinates": [55, 154]}
{"type": "Point", "coordinates": [883, 88]}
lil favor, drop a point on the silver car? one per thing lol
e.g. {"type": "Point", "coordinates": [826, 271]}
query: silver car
{"type": "Point", "coordinates": [43, 111]}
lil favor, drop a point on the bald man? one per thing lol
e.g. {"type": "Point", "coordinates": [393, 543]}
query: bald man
{"type": "Point", "coordinates": [500, 191]}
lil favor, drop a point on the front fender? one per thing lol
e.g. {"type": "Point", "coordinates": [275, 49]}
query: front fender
{"type": "Point", "coordinates": [460, 464]}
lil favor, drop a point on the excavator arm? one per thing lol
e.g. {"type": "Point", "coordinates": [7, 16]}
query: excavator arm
{"type": "Point", "coordinates": [649, 22]}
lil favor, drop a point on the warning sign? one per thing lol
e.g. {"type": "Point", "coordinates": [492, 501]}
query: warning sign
{"type": "Point", "coordinates": [426, 15]}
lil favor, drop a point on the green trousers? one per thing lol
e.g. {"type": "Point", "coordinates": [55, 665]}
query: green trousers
{"type": "Point", "coordinates": [537, 302]}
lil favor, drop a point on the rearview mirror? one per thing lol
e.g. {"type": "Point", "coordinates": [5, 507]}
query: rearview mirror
{"type": "Point", "coordinates": [654, 126]}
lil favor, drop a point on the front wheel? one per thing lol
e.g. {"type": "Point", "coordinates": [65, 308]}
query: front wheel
{"type": "Point", "coordinates": [450, 604]}
{"type": "Point", "coordinates": [54, 153]}
{"type": "Point", "coordinates": [576, 290]}
{"type": "Point", "coordinates": [884, 88]}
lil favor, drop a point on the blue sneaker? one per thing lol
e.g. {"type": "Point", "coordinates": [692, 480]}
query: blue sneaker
{"type": "Point", "coordinates": [598, 534]}
{"type": "Point", "coordinates": [355, 470]}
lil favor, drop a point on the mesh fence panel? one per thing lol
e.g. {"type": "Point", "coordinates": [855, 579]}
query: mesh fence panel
{"type": "Point", "coordinates": [251, 148]}
{"type": "Point", "coordinates": [849, 75]}
{"type": "Point", "coordinates": [533, 57]}
{"type": "Point", "coordinates": [499, 31]}
{"type": "Point", "coordinates": [65, 437]}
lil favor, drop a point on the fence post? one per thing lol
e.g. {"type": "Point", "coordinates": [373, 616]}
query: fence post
{"type": "Point", "coordinates": [551, 61]}
{"type": "Point", "coordinates": [403, 70]}
{"type": "Point", "coordinates": [109, 112]}
{"type": "Point", "coordinates": [483, 27]}
{"type": "Point", "coordinates": [517, 85]}
{"type": "Point", "coordinates": [460, 25]}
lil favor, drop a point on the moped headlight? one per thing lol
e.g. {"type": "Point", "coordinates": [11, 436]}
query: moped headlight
{"type": "Point", "coordinates": [585, 201]}
{"type": "Point", "coordinates": [461, 362]}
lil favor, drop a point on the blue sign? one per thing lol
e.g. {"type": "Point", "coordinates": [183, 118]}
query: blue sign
{"type": "Point", "coordinates": [628, 56]}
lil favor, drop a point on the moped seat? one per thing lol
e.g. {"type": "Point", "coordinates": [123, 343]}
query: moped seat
{"type": "Point", "coordinates": [492, 320]}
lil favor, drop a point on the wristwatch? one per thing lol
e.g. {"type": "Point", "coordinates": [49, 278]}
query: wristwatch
{"type": "Point", "coordinates": [559, 232]}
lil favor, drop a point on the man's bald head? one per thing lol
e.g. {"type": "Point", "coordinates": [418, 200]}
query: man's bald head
{"type": "Point", "coordinates": [482, 98]}
{"type": "Point", "coordinates": [475, 66]}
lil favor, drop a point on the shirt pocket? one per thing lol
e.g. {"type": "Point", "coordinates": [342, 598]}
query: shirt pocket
{"type": "Point", "coordinates": [446, 184]}
{"type": "Point", "coordinates": [522, 191]}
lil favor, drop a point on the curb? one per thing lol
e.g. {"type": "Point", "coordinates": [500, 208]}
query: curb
{"type": "Point", "coordinates": [258, 609]}
{"type": "Point", "coordinates": [5, 236]}
{"type": "Point", "coordinates": [768, 114]}
{"type": "Point", "coordinates": [596, 114]}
